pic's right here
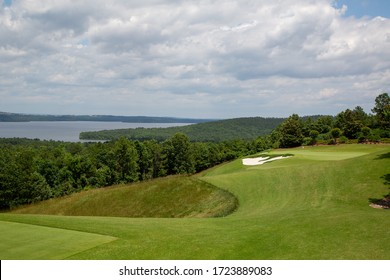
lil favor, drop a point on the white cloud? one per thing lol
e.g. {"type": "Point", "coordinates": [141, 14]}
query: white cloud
{"type": "Point", "coordinates": [190, 58]}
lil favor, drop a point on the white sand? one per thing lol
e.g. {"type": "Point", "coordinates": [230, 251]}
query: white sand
{"type": "Point", "coordinates": [260, 160]}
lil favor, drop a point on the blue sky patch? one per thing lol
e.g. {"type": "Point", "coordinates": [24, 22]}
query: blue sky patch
{"type": "Point", "coordinates": [7, 3]}
{"type": "Point", "coordinates": [370, 8]}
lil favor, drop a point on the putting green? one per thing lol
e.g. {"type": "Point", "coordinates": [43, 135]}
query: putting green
{"type": "Point", "coordinates": [326, 153]}
{"type": "Point", "coordinates": [38, 242]}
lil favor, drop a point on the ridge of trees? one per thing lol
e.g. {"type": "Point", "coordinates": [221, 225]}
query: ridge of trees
{"type": "Point", "coordinates": [214, 131]}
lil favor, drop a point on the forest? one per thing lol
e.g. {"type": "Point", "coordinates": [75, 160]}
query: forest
{"type": "Point", "coordinates": [213, 131]}
{"type": "Point", "coordinates": [34, 170]}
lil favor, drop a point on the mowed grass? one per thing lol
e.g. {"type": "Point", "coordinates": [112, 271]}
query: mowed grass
{"type": "Point", "coordinates": [37, 242]}
{"type": "Point", "coordinates": [313, 205]}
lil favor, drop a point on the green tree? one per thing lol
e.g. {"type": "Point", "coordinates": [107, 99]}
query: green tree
{"type": "Point", "coordinates": [80, 168]}
{"type": "Point", "coordinates": [382, 110]}
{"type": "Point", "coordinates": [126, 158]}
{"type": "Point", "coordinates": [105, 159]}
{"type": "Point", "coordinates": [158, 158]}
{"type": "Point", "coordinates": [313, 135]}
{"type": "Point", "coordinates": [145, 161]}
{"type": "Point", "coordinates": [336, 133]}
{"type": "Point", "coordinates": [260, 144]}
{"type": "Point", "coordinates": [366, 132]}
{"type": "Point", "coordinates": [351, 122]}
{"type": "Point", "coordinates": [201, 155]}
{"type": "Point", "coordinates": [20, 183]}
{"type": "Point", "coordinates": [324, 124]}
{"type": "Point", "coordinates": [360, 116]}
{"type": "Point", "coordinates": [179, 157]}
{"type": "Point", "coordinates": [291, 132]}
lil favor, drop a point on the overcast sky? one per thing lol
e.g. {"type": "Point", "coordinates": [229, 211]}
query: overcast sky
{"type": "Point", "coordinates": [203, 59]}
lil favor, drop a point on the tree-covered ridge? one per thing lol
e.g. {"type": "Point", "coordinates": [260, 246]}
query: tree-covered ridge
{"type": "Point", "coordinates": [216, 131]}
{"type": "Point", "coordinates": [13, 117]}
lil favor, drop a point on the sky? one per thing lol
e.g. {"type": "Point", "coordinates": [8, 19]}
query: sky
{"type": "Point", "coordinates": [197, 59]}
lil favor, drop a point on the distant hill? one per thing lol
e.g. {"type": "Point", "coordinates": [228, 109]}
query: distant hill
{"type": "Point", "coordinates": [215, 131]}
{"type": "Point", "coordinates": [14, 117]}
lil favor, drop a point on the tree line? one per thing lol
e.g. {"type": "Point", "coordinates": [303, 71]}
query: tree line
{"type": "Point", "coordinates": [34, 170]}
{"type": "Point", "coordinates": [349, 125]}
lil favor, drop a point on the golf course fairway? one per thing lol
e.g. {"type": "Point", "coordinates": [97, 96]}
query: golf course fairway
{"type": "Point", "coordinates": [314, 204]}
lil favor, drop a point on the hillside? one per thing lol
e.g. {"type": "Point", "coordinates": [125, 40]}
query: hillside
{"type": "Point", "coordinates": [169, 197]}
{"type": "Point", "coordinates": [215, 131]}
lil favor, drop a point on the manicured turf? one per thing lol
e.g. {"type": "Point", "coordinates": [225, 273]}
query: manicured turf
{"type": "Point", "coordinates": [37, 242]}
{"type": "Point", "coordinates": [313, 205]}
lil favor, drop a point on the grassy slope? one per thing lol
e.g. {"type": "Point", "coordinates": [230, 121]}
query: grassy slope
{"type": "Point", "coordinates": [169, 197]}
{"type": "Point", "coordinates": [313, 205]}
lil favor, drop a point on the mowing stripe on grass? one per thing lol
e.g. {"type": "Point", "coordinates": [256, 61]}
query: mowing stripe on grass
{"type": "Point", "coordinates": [22, 241]}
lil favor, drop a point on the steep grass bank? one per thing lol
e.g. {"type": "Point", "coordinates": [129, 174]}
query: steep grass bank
{"type": "Point", "coordinates": [170, 197]}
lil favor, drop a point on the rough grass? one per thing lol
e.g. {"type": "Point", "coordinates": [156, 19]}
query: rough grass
{"type": "Point", "coordinates": [170, 197]}
{"type": "Point", "coordinates": [314, 205]}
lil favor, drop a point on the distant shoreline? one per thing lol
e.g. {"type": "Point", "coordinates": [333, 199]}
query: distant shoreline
{"type": "Point", "coordinates": [15, 117]}
{"type": "Point", "coordinates": [67, 131]}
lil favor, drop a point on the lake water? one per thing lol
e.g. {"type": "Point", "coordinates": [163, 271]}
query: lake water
{"type": "Point", "coordinates": [67, 130]}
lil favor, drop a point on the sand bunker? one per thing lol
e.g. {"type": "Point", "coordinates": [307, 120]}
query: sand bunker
{"type": "Point", "coordinates": [260, 160]}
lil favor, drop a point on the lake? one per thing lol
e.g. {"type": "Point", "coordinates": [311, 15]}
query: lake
{"type": "Point", "coordinates": [66, 130]}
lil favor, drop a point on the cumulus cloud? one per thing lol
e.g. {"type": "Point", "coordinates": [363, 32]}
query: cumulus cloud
{"type": "Point", "coordinates": [201, 58]}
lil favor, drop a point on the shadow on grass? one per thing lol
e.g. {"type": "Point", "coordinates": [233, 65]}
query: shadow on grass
{"type": "Point", "coordinates": [384, 156]}
{"type": "Point", "coordinates": [385, 201]}
{"type": "Point", "coordinates": [386, 178]}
